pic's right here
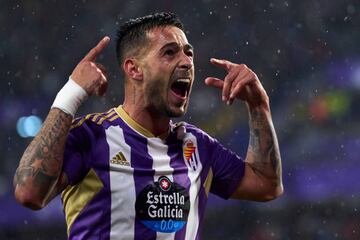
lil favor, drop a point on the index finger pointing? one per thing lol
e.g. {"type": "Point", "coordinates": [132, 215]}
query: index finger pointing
{"type": "Point", "coordinates": [221, 63]}
{"type": "Point", "coordinates": [94, 52]}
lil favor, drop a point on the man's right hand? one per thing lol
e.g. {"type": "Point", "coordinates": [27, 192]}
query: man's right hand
{"type": "Point", "coordinates": [89, 74]}
{"type": "Point", "coordinates": [39, 177]}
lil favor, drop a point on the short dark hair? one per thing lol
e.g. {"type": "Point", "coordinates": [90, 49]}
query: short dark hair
{"type": "Point", "coordinates": [132, 33]}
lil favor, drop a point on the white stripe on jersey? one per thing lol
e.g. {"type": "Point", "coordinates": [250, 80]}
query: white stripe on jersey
{"type": "Point", "coordinates": [122, 187]}
{"type": "Point", "coordinates": [194, 177]}
{"type": "Point", "coordinates": [161, 163]}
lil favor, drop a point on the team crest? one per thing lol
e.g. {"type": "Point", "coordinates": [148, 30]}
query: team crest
{"type": "Point", "coordinates": [189, 152]}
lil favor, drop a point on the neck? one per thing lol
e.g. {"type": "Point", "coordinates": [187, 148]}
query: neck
{"type": "Point", "coordinates": [154, 123]}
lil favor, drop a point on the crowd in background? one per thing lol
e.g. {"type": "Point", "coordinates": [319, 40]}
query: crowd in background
{"type": "Point", "coordinates": [306, 54]}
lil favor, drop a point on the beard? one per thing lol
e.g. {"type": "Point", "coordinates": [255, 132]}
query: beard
{"type": "Point", "coordinates": [156, 101]}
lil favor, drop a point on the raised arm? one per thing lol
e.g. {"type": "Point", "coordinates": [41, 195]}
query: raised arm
{"type": "Point", "coordinates": [262, 180]}
{"type": "Point", "coordinates": [39, 177]}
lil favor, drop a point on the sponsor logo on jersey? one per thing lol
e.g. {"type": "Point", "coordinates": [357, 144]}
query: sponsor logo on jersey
{"type": "Point", "coordinates": [164, 183]}
{"type": "Point", "coordinates": [163, 206]}
{"type": "Point", "coordinates": [189, 152]}
{"type": "Point", "coordinates": [120, 159]}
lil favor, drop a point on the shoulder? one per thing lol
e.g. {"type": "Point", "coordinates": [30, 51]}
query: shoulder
{"type": "Point", "coordinates": [95, 120]}
{"type": "Point", "coordinates": [194, 130]}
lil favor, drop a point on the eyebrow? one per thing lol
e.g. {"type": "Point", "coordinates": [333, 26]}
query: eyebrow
{"type": "Point", "coordinates": [174, 44]}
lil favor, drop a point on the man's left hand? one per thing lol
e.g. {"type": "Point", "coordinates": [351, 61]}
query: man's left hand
{"type": "Point", "coordinates": [239, 83]}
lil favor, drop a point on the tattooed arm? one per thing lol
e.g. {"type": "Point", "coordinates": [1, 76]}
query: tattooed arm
{"type": "Point", "coordinates": [39, 177]}
{"type": "Point", "coordinates": [262, 180]}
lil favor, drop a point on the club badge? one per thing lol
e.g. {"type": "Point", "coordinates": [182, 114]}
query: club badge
{"type": "Point", "coordinates": [189, 153]}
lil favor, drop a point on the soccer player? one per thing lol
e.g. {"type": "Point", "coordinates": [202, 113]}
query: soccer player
{"type": "Point", "coordinates": [130, 172]}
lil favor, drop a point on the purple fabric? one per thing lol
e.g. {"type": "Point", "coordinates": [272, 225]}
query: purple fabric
{"type": "Point", "coordinates": [180, 171]}
{"type": "Point", "coordinates": [94, 220]}
{"type": "Point", "coordinates": [202, 206]}
{"type": "Point", "coordinates": [143, 175]}
{"type": "Point", "coordinates": [80, 144]}
{"type": "Point", "coordinates": [87, 149]}
{"type": "Point", "coordinates": [228, 168]}
{"type": "Point", "coordinates": [77, 152]}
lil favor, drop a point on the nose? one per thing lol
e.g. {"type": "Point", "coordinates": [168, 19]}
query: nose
{"type": "Point", "coordinates": [186, 62]}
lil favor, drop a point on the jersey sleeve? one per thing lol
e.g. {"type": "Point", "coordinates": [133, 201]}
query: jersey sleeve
{"type": "Point", "coordinates": [228, 169]}
{"type": "Point", "coordinates": [77, 154]}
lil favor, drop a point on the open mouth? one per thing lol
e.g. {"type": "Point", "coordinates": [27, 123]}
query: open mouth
{"type": "Point", "coordinates": [181, 87]}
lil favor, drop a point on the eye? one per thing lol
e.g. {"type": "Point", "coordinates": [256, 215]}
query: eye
{"type": "Point", "coordinates": [169, 52]}
{"type": "Point", "coordinates": [189, 53]}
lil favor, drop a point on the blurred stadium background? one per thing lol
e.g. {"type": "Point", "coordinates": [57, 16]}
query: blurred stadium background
{"type": "Point", "coordinates": [306, 53]}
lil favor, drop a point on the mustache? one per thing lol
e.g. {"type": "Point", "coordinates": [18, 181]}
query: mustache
{"type": "Point", "coordinates": [181, 74]}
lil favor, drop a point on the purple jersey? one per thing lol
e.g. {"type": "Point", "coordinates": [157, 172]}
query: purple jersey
{"type": "Point", "coordinates": [126, 183]}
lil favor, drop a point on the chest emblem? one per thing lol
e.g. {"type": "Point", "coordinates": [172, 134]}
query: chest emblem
{"type": "Point", "coordinates": [189, 152]}
{"type": "Point", "coordinates": [163, 206]}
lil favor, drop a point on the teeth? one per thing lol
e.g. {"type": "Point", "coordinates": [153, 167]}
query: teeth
{"type": "Point", "coordinates": [183, 80]}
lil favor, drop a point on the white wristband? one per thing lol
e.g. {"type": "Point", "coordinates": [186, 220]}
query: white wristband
{"type": "Point", "coordinates": [70, 97]}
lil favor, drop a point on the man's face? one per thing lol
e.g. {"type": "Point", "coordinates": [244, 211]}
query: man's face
{"type": "Point", "coordinates": [168, 71]}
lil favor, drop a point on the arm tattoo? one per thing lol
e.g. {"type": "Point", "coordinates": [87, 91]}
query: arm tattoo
{"type": "Point", "coordinates": [263, 151]}
{"type": "Point", "coordinates": [41, 163]}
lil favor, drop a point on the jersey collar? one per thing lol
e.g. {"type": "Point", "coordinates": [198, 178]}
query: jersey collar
{"type": "Point", "coordinates": [136, 126]}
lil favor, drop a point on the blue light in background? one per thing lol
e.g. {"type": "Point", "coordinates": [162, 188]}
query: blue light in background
{"type": "Point", "coordinates": [20, 127]}
{"type": "Point", "coordinates": [28, 126]}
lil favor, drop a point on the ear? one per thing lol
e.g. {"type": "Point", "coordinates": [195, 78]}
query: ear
{"type": "Point", "coordinates": [132, 69]}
